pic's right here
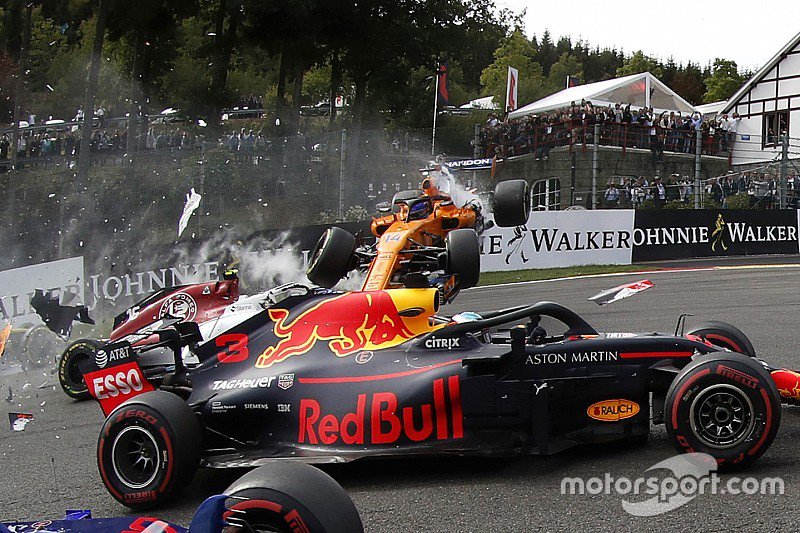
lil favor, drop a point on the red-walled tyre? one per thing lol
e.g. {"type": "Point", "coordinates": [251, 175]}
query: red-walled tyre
{"type": "Point", "coordinates": [726, 405]}
{"type": "Point", "coordinates": [288, 497]}
{"type": "Point", "coordinates": [724, 335]}
{"type": "Point", "coordinates": [149, 449]}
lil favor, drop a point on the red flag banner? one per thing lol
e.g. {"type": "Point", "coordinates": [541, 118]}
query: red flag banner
{"type": "Point", "coordinates": [443, 84]}
{"type": "Point", "coordinates": [511, 89]}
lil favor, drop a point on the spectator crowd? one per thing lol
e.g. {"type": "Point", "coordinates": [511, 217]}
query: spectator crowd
{"type": "Point", "coordinates": [761, 188]}
{"type": "Point", "coordinates": [619, 126]}
{"type": "Point", "coordinates": [66, 142]}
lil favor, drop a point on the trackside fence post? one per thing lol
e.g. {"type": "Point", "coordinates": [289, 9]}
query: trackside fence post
{"type": "Point", "coordinates": [20, 86]}
{"type": "Point", "coordinates": [784, 168]}
{"type": "Point", "coordinates": [342, 157]}
{"type": "Point", "coordinates": [698, 186]}
{"type": "Point", "coordinates": [595, 164]}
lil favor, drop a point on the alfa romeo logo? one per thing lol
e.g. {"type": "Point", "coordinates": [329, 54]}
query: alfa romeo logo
{"type": "Point", "coordinates": [179, 305]}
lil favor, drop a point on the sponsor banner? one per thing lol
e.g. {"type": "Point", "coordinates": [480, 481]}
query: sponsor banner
{"type": "Point", "coordinates": [17, 287]}
{"type": "Point", "coordinates": [469, 164]}
{"type": "Point", "coordinates": [666, 234]}
{"type": "Point", "coordinates": [142, 280]}
{"type": "Point", "coordinates": [559, 239]}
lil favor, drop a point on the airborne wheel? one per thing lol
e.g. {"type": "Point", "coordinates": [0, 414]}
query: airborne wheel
{"type": "Point", "coordinates": [331, 257]}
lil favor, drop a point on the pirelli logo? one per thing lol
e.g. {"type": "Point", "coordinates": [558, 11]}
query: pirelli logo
{"type": "Point", "coordinates": [740, 377]}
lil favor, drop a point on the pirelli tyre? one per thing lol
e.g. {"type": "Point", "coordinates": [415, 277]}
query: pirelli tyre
{"type": "Point", "coordinates": [726, 405]}
{"type": "Point", "coordinates": [724, 335]}
{"type": "Point", "coordinates": [511, 203]}
{"type": "Point", "coordinates": [288, 497]}
{"type": "Point", "coordinates": [463, 256]}
{"type": "Point", "coordinates": [69, 373]}
{"type": "Point", "coordinates": [331, 257]}
{"type": "Point", "coordinates": [149, 449]}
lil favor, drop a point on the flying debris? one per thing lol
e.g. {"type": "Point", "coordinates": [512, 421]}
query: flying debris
{"type": "Point", "coordinates": [18, 421]}
{"type": "Point", "coordinates": [4, 334]}
{"type": "Point", "coordinates": [192, 203]}
{"type": "Point", "coordinates": [56, 316]}
{"type": "Point", "coordinates": [623, 291]}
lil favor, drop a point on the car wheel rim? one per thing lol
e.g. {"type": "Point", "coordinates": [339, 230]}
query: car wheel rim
{"type": "Point", "coordinates": [260, 521]}
{"type": "Point", "coordinates": [74, 372]}
{"type": "Point", "coordinates": [318, 251]}
{"type": "Point", "coordinates": [721, 416]}
{"type": "Point", "coordinates": [135, 457]}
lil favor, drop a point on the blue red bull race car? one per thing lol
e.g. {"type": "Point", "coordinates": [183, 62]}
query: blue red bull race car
{"type": "Point", "coordinates": [285, 497]}
{"type": "Point", "coordinates": [327, 376]}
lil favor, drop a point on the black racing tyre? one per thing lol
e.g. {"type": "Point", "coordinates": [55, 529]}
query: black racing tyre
{"type": "Point", "coordinates": [404, 195]}
{"type": "Point", "coordinates": [289, 496]}
{"type": "Point", "coordinates": [331, 257]}
{"type": "Point", "coordinates": [511, 203]}
{"type": "Point", "coordinates": [69, 375]}
{"type": "Point", "coordinates": [463, 256]}
{"type": "Point", "coordinates": [724, 335]}
{"type": "Point", "coordinates": [149, 449]}
{"type": "Point", "coordinates": [726, 405]}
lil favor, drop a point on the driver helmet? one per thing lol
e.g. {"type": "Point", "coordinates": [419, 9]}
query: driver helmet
{"type": "Point", "coordinates": [419, 210]}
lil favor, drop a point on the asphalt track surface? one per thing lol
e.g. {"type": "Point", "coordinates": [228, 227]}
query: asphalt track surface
{"type": "Point", "coordinates": [51, 466]}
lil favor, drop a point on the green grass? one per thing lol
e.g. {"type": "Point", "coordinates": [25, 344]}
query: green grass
{"type": "Point", "coordinates": [493, 278]}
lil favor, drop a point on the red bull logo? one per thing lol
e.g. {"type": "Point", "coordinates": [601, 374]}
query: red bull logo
{"type": "Point", "coordinates": [379, 418]}
{"type": "Point", "coordinates": [352, 322]}
{"type": "Point", "coordinates": [788, 383]}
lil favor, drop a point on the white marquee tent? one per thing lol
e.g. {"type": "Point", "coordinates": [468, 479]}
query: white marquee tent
{"type": "Point", "coordinates": [639, 90]}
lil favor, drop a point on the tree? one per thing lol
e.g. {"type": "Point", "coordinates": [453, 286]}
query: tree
{"type": "Point", "coordinates": [567, 65]}
{"type": "Point", "coordinates": [723, 81]}
{"type": "Point", "coordinates": [84, 159]}
{"type": "Point", "coordinates": [688, 82]}
{"type": "Point", "coordinates": [516, 52]}
{"type": "Point", "coordinates": [146, 31]}
{"type": "Point", "coordinates": [602, 64]}
{"type": "Point", "coordinates": [638, 63]}
{"type": "Point", "coordinates": [546, 53]}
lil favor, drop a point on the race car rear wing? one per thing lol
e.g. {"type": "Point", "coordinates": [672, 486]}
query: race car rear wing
{"type": "Point", "coordinates": [113, 375]}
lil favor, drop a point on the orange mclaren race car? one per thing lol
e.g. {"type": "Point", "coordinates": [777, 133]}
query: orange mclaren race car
{"type": "Point", "coordinates": [422, 240]}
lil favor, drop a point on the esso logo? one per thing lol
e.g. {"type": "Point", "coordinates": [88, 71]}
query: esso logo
{"type": "Point", "coordinates": [179, 305]}
{"type": "Point", "coordinates": [120, 383]}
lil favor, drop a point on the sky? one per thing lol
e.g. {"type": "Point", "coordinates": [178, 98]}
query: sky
{"type": "Point", "coordinates": [748, 32]}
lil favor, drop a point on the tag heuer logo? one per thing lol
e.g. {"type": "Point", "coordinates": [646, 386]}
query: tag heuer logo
{"type": "Point", "coordinates": [285, 381]}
